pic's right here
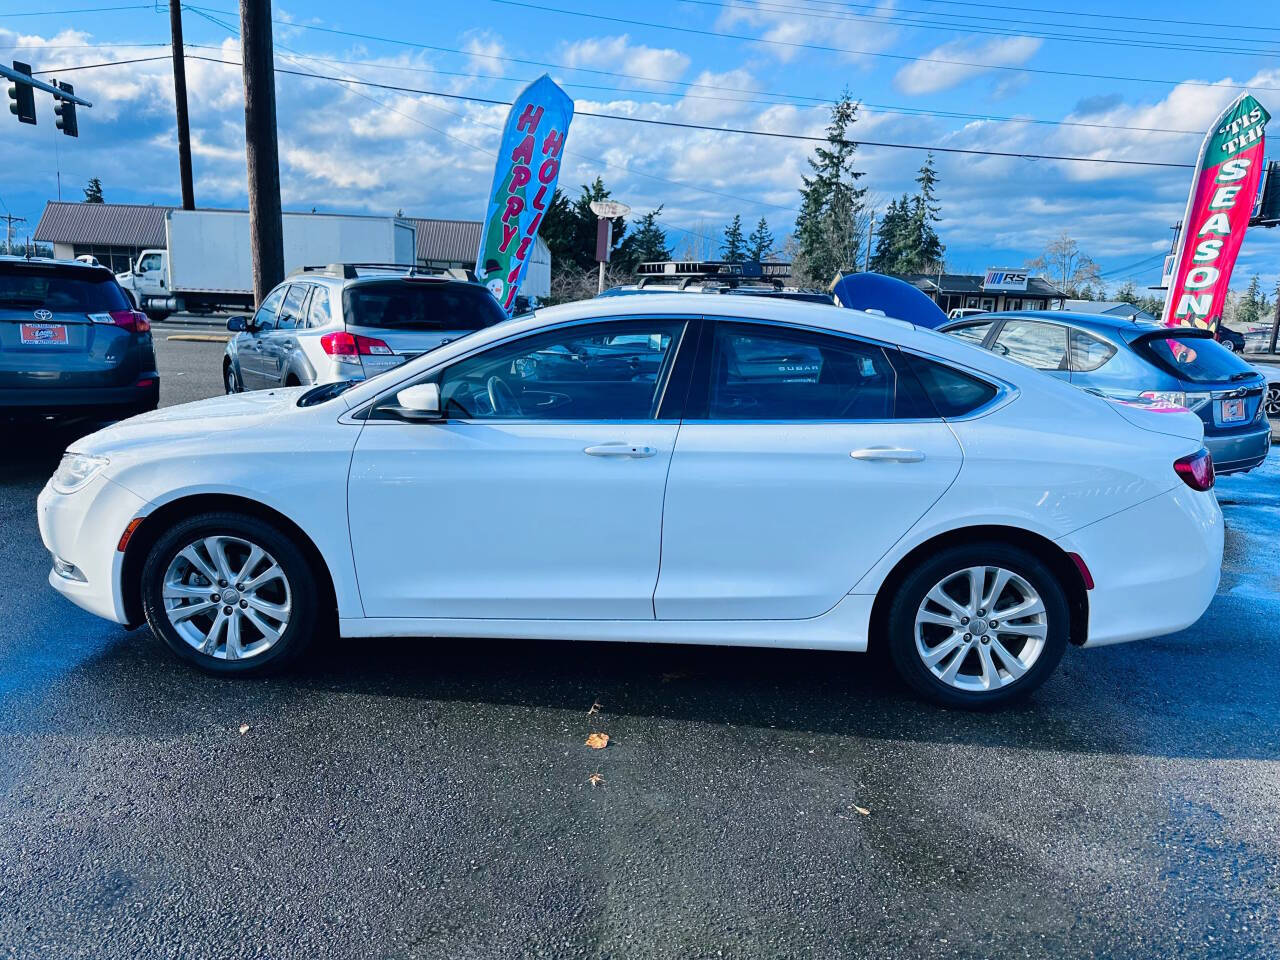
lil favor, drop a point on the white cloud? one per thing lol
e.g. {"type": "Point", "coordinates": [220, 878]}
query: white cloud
{"type": "Point", "coordinates": [620, 54]}
{"type": "Point", "coordinates": [790, 29]}
{"type": "Point", "coordinates": [971, 60]}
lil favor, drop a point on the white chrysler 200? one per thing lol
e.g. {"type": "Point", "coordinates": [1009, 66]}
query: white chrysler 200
{"type": "Point", "coordinates": [691, 469]}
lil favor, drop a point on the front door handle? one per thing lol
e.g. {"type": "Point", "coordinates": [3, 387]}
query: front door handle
{"type": "Point", "coordinates": [628, 450]}
{"type": "Point", "coordinates": [888, 455]}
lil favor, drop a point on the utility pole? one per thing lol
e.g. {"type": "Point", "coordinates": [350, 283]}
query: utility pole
{"type": "Point", "coordinates": [266, 233]}
{"type": "Point", "coordinates": [10, 220]}
{"type": "Point", "coordinates": [180, 101]}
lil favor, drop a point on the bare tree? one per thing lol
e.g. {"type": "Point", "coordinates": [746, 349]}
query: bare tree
{"type": "Point", "coordinates": [1068, 268]}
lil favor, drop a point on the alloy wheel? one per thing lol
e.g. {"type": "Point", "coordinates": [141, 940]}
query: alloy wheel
{"type": "Point", "coordinates": [226, 597]}
{"type": "Point", "coordinates": [981, 628]}
{"type": "Point", "coordinates": [1273, 400]}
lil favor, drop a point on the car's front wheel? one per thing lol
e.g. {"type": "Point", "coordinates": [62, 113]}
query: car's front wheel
{"type": "Point", "coordinates": [231, 379]}
{"type": "Point", "coordinates": [978, 626]}
{"type": "Point", "coordinates": [229, 593]}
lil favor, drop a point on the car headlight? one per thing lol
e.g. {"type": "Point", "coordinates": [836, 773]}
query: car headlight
{"type": "Point", "coordinates": [75, 470]}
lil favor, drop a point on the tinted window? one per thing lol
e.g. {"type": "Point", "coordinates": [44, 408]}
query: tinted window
{"type": "Point", "coordinates": [60, 289]}
{"type": "Point", "coordinates": [609, 371]}
{"type": "Point", "coordinates": [1197, 359]}
{"type": "Point", "coordinates": [952, 392]}
{"type": "Point", "coordinates": [265, 318]}
{"type": "Point", "coordinates": [429, 305]}
{"type": "Point", "coordinates": [975, 332]}
{"type": "Point", "coordinates": [762, 372]}
{"type": "Point", "coordinates": [1088, 352]}
{"type": "Point", "coordinates": [1039, 345]}
{"type": "Point", "coordinates": [318, 314]}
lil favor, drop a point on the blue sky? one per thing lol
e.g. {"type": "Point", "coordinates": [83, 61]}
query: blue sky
{"type": "Point", "coordinates": [757, 63]}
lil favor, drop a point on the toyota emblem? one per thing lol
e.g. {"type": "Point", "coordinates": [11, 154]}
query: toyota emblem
{"type": "Point", "coordinates": [44, 316]}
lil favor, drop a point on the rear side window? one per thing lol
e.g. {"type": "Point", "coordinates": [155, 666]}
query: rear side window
{"type": "Point", "coordinates": [951, 392]}
{"type": "Point", "coordinates": [1197, 359]}
{"type": "Point", "coordinates": [291, 311]}
{"type": "Point", "coordinates": [318, 314]}
{"type": "Point", "coordinates": [59, 289]}
{"type": "Point", "coordinates": [1042, 346]}
{"type": "Point", "coordinates": [973, 332]}
{"type": "Point", "coordinates": [761, 372]}
{"type": "Point", "coordinates": [425, 305]}
{"type": "Point", "coordinates": [1088, 353]}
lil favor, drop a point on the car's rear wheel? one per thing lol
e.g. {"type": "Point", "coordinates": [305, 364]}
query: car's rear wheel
{"type": "Point", "coordinates": [229, 593]}
{"type": "Point", "coordinates": [978, 626]}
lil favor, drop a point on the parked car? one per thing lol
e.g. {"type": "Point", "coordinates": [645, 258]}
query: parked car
{"type": "Point", "coordinates": [967, 514]}
{"type": "Point", "coordinates": [959, 313]}
{"type": "Point", "coordinates": [1143, 362]}
{"type": "Point", "coordinates": [1271, 373]}
{"type": "Point", "coordinates": [348, 322]}
{"type": "Point", "coordinates": [1232, 340]}
{"type": "Point", "coordinates": [70, 343]}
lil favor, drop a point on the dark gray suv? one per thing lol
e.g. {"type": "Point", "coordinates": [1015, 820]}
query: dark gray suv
{"type": "Point", "coordinates": [71, 344]}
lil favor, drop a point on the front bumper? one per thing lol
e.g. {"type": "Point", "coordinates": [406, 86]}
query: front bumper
{"type": "Point", "coordinates": [83, 529]}
{"type": "Point", "coordinates": [1237, 452]}
{"type": "Point", "coordinates": [1155, 566]}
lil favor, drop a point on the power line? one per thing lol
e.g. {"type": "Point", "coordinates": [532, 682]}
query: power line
{"type": "Point", "coordinates": [736, 130]}
{"type": "Point", "coordinates": [822, 48]}
{"type": "Point", "coordinates": [65, 11]}
{"type": "Point", "coordinates": [94, 66]}
{"type": "Point", "coordinates": [848, 15]}
{"type": "Point", "coordinates": [886, 108]}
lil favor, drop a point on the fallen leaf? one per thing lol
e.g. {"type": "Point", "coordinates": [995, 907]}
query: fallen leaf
{"type": "Point", "coordinates": [244, 728]}
{"type": "Point", "coordinates": [598, 741]}
{"type": "Point", "coordinates": [595, 708]}
{"type": "Point", "coordinates": [862, 810]}
{"type": "Point", "coordinates": [595, 780]}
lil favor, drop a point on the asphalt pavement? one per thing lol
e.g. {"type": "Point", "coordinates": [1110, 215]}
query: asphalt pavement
{"type": "Point", "coordinates": [434, 798]}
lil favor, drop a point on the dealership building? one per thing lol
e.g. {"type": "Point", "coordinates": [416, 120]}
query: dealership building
{"type": "Point", "coordinates": [996, 290]}
{"type": "Point", "coordinates": [117, 233]}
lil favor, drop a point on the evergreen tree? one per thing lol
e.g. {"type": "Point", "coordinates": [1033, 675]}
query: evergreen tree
{"type": "Point", "coordinates": [906, 241]}
{"type": "Point", "coordinates": [734, 248]}
{"type": "Point", "coordinates": [93, 192]}
{"type": "Point", "coordinates": [645, 243]}
{"type": "Point", "coordinates": [1128, 294]}
{"type": "Point", "coordinates": [1253, 305]}
{"type": "Point", "coordinates": [760, 243]}
{"type": "Point", "coordinates": [832, 214]}
{"type": "Point", "coordinates": [569, 227]}
{"type": "Point", "coordinates": [891, 237]}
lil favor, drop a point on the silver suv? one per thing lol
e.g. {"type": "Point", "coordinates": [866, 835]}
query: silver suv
{"type": "Point", "coordinates": [350, 321]}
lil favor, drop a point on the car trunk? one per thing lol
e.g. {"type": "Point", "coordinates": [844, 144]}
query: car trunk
{"type": "Point", "coordinates": [1221, 389]}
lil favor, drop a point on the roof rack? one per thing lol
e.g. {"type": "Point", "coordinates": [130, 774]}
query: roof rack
{"type": "Point", "coordinates": [686, 272]}
{"type": "Point", "coordinates": [349, 271]}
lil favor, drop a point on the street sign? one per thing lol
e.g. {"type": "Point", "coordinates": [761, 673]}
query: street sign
{"type": "Point", "coordinates": [609, 209]}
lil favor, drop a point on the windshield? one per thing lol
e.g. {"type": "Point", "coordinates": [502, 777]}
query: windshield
{"type": "Point", "coordinates": [1197, 359]}
{"type": "Point", "coordinates": [422, 305]}
{"type": "Point", "coordinates": [60, 289]}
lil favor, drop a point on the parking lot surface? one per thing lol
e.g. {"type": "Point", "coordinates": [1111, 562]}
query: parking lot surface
{"type": "Point", "coordinates": [435, 798]}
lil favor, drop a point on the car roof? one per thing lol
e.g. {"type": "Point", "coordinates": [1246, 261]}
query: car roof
{"type": "Point", "coordinates": [1120, 325]}
{"type": "Point", "coordinates": [53, 262]}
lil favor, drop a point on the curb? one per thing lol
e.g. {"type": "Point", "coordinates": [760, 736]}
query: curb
{"type": "Point", "coordinates": [197, 337]}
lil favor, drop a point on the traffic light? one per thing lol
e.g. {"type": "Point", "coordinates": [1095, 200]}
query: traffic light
{"type": "Point", "coordinates": [23, 95]}
{"type": "Point", "coordinates": [65, 111]}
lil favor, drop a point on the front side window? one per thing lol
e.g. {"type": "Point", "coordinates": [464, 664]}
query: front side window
{"type": "Point", "coordinates": [973, 332]}
{"type": "Point", "coordinates": [1088, 352]}
{"type": "Point", "coordinates": [1042, 346]}
{"type": "Point", "coordinates": [607, 371]}
{"type": "Point", "coordinates": [265, 318]}
{"type": "Point", "coordinates": [761, 372]}
{"type": "Point", "coordinates": [150, 262]}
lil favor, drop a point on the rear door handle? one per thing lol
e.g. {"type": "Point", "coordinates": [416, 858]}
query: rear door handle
{"type": "Point", "coordinates": [628, 450]}
{"type": "Point", "coordinates": [888, 455]}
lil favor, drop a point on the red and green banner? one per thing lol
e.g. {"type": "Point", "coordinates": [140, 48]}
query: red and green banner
{"type": "Point", "coordinates": [1222, 196]}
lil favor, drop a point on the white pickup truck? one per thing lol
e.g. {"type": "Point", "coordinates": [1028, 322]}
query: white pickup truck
{"type": "Point", "coordinates": [206, 265]}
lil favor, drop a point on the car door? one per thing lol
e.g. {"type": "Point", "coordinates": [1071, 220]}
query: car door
{"type": "Point", "coordinates": [538, 495]}
{"type": "Point", "coordinates": [249, 343]}
{"type": "Point", "coordinates": [803, 457]}
{"type": "Point", "coordinates": [282, 339]}
{"type": "Point", "coordinates": [1037, 343]}
{"type": "Point", "coordinates": [150, 276]}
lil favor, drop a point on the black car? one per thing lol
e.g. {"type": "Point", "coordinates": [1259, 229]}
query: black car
{"type": "Point", "coordinates": [1233, 340]}
{"type": "Point", "coordinates": [71, 344]}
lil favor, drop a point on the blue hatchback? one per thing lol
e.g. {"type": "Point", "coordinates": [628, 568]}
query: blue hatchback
{"type": "Point", "coordinates": [1120, 358]}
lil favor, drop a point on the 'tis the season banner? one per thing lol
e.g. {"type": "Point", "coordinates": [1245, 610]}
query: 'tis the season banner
{"type": "Point", "coordinates": [524, 182]}
{"type": "Point", "coordinates": [1218, 211]}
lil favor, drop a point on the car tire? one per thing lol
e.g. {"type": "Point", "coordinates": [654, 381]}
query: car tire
{"type": "Point", "coordinates": [1230, 346]}
{"type": "Point", "coordinates": [231, 379]}
{"type": "Point", "coordinates": [274, 618]}
{"type": "Point", "coordinates": [934, 646]}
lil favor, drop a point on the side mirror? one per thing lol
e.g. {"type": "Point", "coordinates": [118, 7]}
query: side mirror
{"type": "Point", "coordinates": [237, 324]}
{"type": "Point", "coordinates": [419, 402]}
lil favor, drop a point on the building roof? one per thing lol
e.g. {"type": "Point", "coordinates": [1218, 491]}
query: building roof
{"type": "Point", "coordinates": [966, 283]}
{"type": "Point", "coordinates": [139, 225]}
{"type": "Point", "coordinates": [102, 224]}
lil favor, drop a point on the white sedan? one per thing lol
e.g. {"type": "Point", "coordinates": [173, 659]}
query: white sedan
{"type": "Point", "coordinates": [767, 473]}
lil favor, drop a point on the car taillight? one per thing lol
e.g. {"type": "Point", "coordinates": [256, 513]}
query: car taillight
{"type": "Point", "coordinates": [1196, 470]}
{"type": "Point", "coordinates": [349, 347]}
{"type": "Point", "coordinates": [133, 320]}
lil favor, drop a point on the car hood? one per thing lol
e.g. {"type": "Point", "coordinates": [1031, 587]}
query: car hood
{"type": "Point", "coordinates": [200, 421]}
